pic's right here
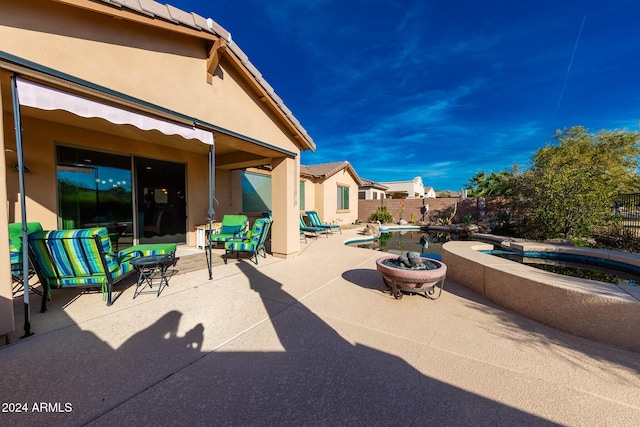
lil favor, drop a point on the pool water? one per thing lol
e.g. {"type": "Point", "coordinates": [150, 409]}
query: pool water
{"type": "Point", "coordinates": [429, 244]}
{"type": "Point", "coordinates": [591, 268]}
{"type": "Point", "coordinates": [426, 243]}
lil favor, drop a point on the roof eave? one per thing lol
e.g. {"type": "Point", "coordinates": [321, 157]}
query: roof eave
{"type": "Point", "coordinates": [147, 13]}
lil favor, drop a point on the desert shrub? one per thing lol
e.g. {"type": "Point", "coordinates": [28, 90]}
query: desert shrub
{"type": "Point", "coordinates": [381, 214]}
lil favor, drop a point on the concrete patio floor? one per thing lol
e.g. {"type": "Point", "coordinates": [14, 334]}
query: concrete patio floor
{"type": "Point", "coordinates": [313, 340]}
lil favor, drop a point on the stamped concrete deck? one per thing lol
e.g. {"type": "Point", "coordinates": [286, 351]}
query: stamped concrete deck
{"type": "Point", "coordinates": [313, 340]}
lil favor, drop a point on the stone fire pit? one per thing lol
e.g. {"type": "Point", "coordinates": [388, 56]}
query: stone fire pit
{"type": "Point", "coordinates": [406, 275]}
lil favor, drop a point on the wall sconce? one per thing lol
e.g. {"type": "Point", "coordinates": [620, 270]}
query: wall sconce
{"type": "Point", "coordinates": [25, 168]}
{"type": "Point", "coordinates": [15, 166]}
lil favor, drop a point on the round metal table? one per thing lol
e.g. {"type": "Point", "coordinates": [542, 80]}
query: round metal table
{"type": "Point", "coordinates": [152, 267]}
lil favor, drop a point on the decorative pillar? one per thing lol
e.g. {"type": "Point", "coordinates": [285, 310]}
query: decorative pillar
{"type": "Point", "coordinates": [285, 200]}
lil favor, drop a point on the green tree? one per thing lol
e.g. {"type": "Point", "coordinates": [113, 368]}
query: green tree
{"type": "Point", "coordinates": [573, 181]}
{"type": "Point", "coordinates": [492, 185]}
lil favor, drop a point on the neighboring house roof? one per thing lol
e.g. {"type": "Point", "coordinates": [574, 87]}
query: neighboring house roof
{"type": "Point", "coordinates": [325, 170]}
{"type": "Point", "coordinates": [373, 184]}
{"type": "Point", "coordinates": [206, 26]}
{"type": "Point", "coordinates": [427, 189]}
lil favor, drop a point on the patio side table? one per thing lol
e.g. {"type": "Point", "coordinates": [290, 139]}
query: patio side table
{"type": "Point", "coordinates": [150, 268]}
{"type": "Point", "coordinates": [203, 231]}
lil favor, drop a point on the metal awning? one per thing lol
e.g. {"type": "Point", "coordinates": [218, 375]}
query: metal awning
{"type": "Point", "coordinates": [47, 98]}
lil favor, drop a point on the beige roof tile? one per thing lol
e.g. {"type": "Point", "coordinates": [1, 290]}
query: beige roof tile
{"type": "Point", "coordinates": [181, 16]}
{"type": "Point", "coordinates": [131, 4]}
{"type": "Point", "coordinates": [156, 9]}
{"type": "Point", "coordinates": [325, 170]}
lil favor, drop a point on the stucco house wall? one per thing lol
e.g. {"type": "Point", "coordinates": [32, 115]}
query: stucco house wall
{"type": "Point", "coordinates": [151, 65]}
{"type": "Point", "coordinates": [309, 196]}
{"type": "Point", "coordinates": [326, 200]}
{"type": "Point", "coordinates": [411, 188]}
{"type": "Point", "coordinates": [372, 194]}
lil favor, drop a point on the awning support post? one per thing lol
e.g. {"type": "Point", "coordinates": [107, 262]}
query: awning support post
{"type": "Point", "coordinates": [23, 204]}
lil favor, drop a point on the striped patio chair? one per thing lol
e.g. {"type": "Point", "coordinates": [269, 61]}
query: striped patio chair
{"type": "Point", "coordinates": [232, 227]}
{"type": "Point", "coordinates": [83, 258]}
{"type": "Point", "coordinates": [253, 243]}
{"type": "Point", "coordinates": [310, 229]}
{"type": "Point", "coordinates": [315, 221]}
{"type": "Point", "coordinates": [15, 255]}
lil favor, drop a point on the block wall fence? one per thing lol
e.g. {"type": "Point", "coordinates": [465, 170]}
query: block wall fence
{"type": "Point", "coordinates": [414, 209]}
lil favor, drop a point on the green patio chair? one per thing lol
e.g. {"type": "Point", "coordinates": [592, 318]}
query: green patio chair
{"type": "Point", "coordinates": [15, 255]}
{"type": "Point", "coordinates": [253, 243]}
{"type": "Point", "coordinates": [315, 221]}
{"type": "Point", "coordinates": [83, 258]}
{"type": "Point", "coordinates": [310, 229]}
{"type": "Point", "coordinates": [232, 227]}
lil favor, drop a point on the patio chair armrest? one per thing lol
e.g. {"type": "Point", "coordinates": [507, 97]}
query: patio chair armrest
{"type": "Point", "coordinates": [128, 254]}
{"type": "Point", "coordinates": [241, 234]}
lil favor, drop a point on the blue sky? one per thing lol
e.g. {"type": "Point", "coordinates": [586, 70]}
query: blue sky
{"type": "Point", "coordinates": [438, 89]}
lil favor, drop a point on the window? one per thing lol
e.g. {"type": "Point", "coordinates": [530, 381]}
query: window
{"type": "Point", "coordinates": [94, 188]}
{"type": "Point", "coordinates": [343, 197]}
{"type": "Point", "coordinates": [301, 195]}
{"type": "Point", "coordinates": [362, 195]}
{"type": "Point", "coordinates": [256, 192]}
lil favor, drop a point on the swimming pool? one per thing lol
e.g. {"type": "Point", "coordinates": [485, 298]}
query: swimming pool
{"type": "Point", "coordinates": [427, 243]}
{"type": "Point", "coordinates": [581, 266]}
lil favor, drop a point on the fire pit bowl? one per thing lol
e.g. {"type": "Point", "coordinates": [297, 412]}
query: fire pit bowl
{"type": "Point", "coordinates": [402, 278]}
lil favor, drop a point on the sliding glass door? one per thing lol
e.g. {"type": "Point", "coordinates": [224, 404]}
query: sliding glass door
{"type": "Point", "coordinates": [161, 196]}
{"type": "Point", "coordinates": [94, 190]}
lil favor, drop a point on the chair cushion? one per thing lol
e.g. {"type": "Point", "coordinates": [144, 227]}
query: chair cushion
{"type": "Point", "coordinates": [254, 240]}
{"type": "Point", "coordinates": [15, 243]}
{"type": "Point", "coordinates": [222, 237]}
{"type": "Point", "coordinates": [232, 226]}
{"type": "Point", "coordinates": [240, 246]}
{"type": "Point", "coordinates": [73, 252]}
{"type": "Point", "coordinates": [126, 255]}
{"type": "Point", "coordinates": [150, 249]}
{"type": "Point", "coordinates": [315, 220]}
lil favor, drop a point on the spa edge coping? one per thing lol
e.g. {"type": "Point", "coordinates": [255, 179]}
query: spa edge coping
{"type": "Point", "coordinates": [484, 242]}
{"type": "Point", "coordinates": [599, 311]}
{"type": "Point", "coordinates": [473, 250]}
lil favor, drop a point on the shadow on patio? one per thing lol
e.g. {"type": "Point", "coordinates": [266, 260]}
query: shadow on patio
{"type": "Point", "coordinates": [162, 377]}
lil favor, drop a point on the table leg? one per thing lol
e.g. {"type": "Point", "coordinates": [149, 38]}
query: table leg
{"type": "Point", "coordinates": [139, 272]}
{"type": "Point", "coordinates": [144, 275]}
{"type": "Point", "coordinates": [163, 277]}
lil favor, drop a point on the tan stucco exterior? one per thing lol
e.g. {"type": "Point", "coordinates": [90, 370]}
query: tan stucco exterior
{"type": "Point", "coordinates": [162, 69]}
{"type": "Point", "coordinates": [6, 298]}
{"type": "Point", "coordinates": [412, 189]}
{"type": "Point", "coordinates": [326, 198]}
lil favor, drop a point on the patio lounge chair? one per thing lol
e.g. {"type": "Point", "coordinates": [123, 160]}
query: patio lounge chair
{"type": "Point", "coordinates": [253, 243]}
{"type": "Point", "coordinates": [83, 258]}
{"type": "Point", "coordinates": [15, 254]}
{"type": "Point", "coordinates": [232, 227]}
{"type": "Point", "coordinates": [315, 221]}
{"type": "Point", "coordinates": [309, 229]}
